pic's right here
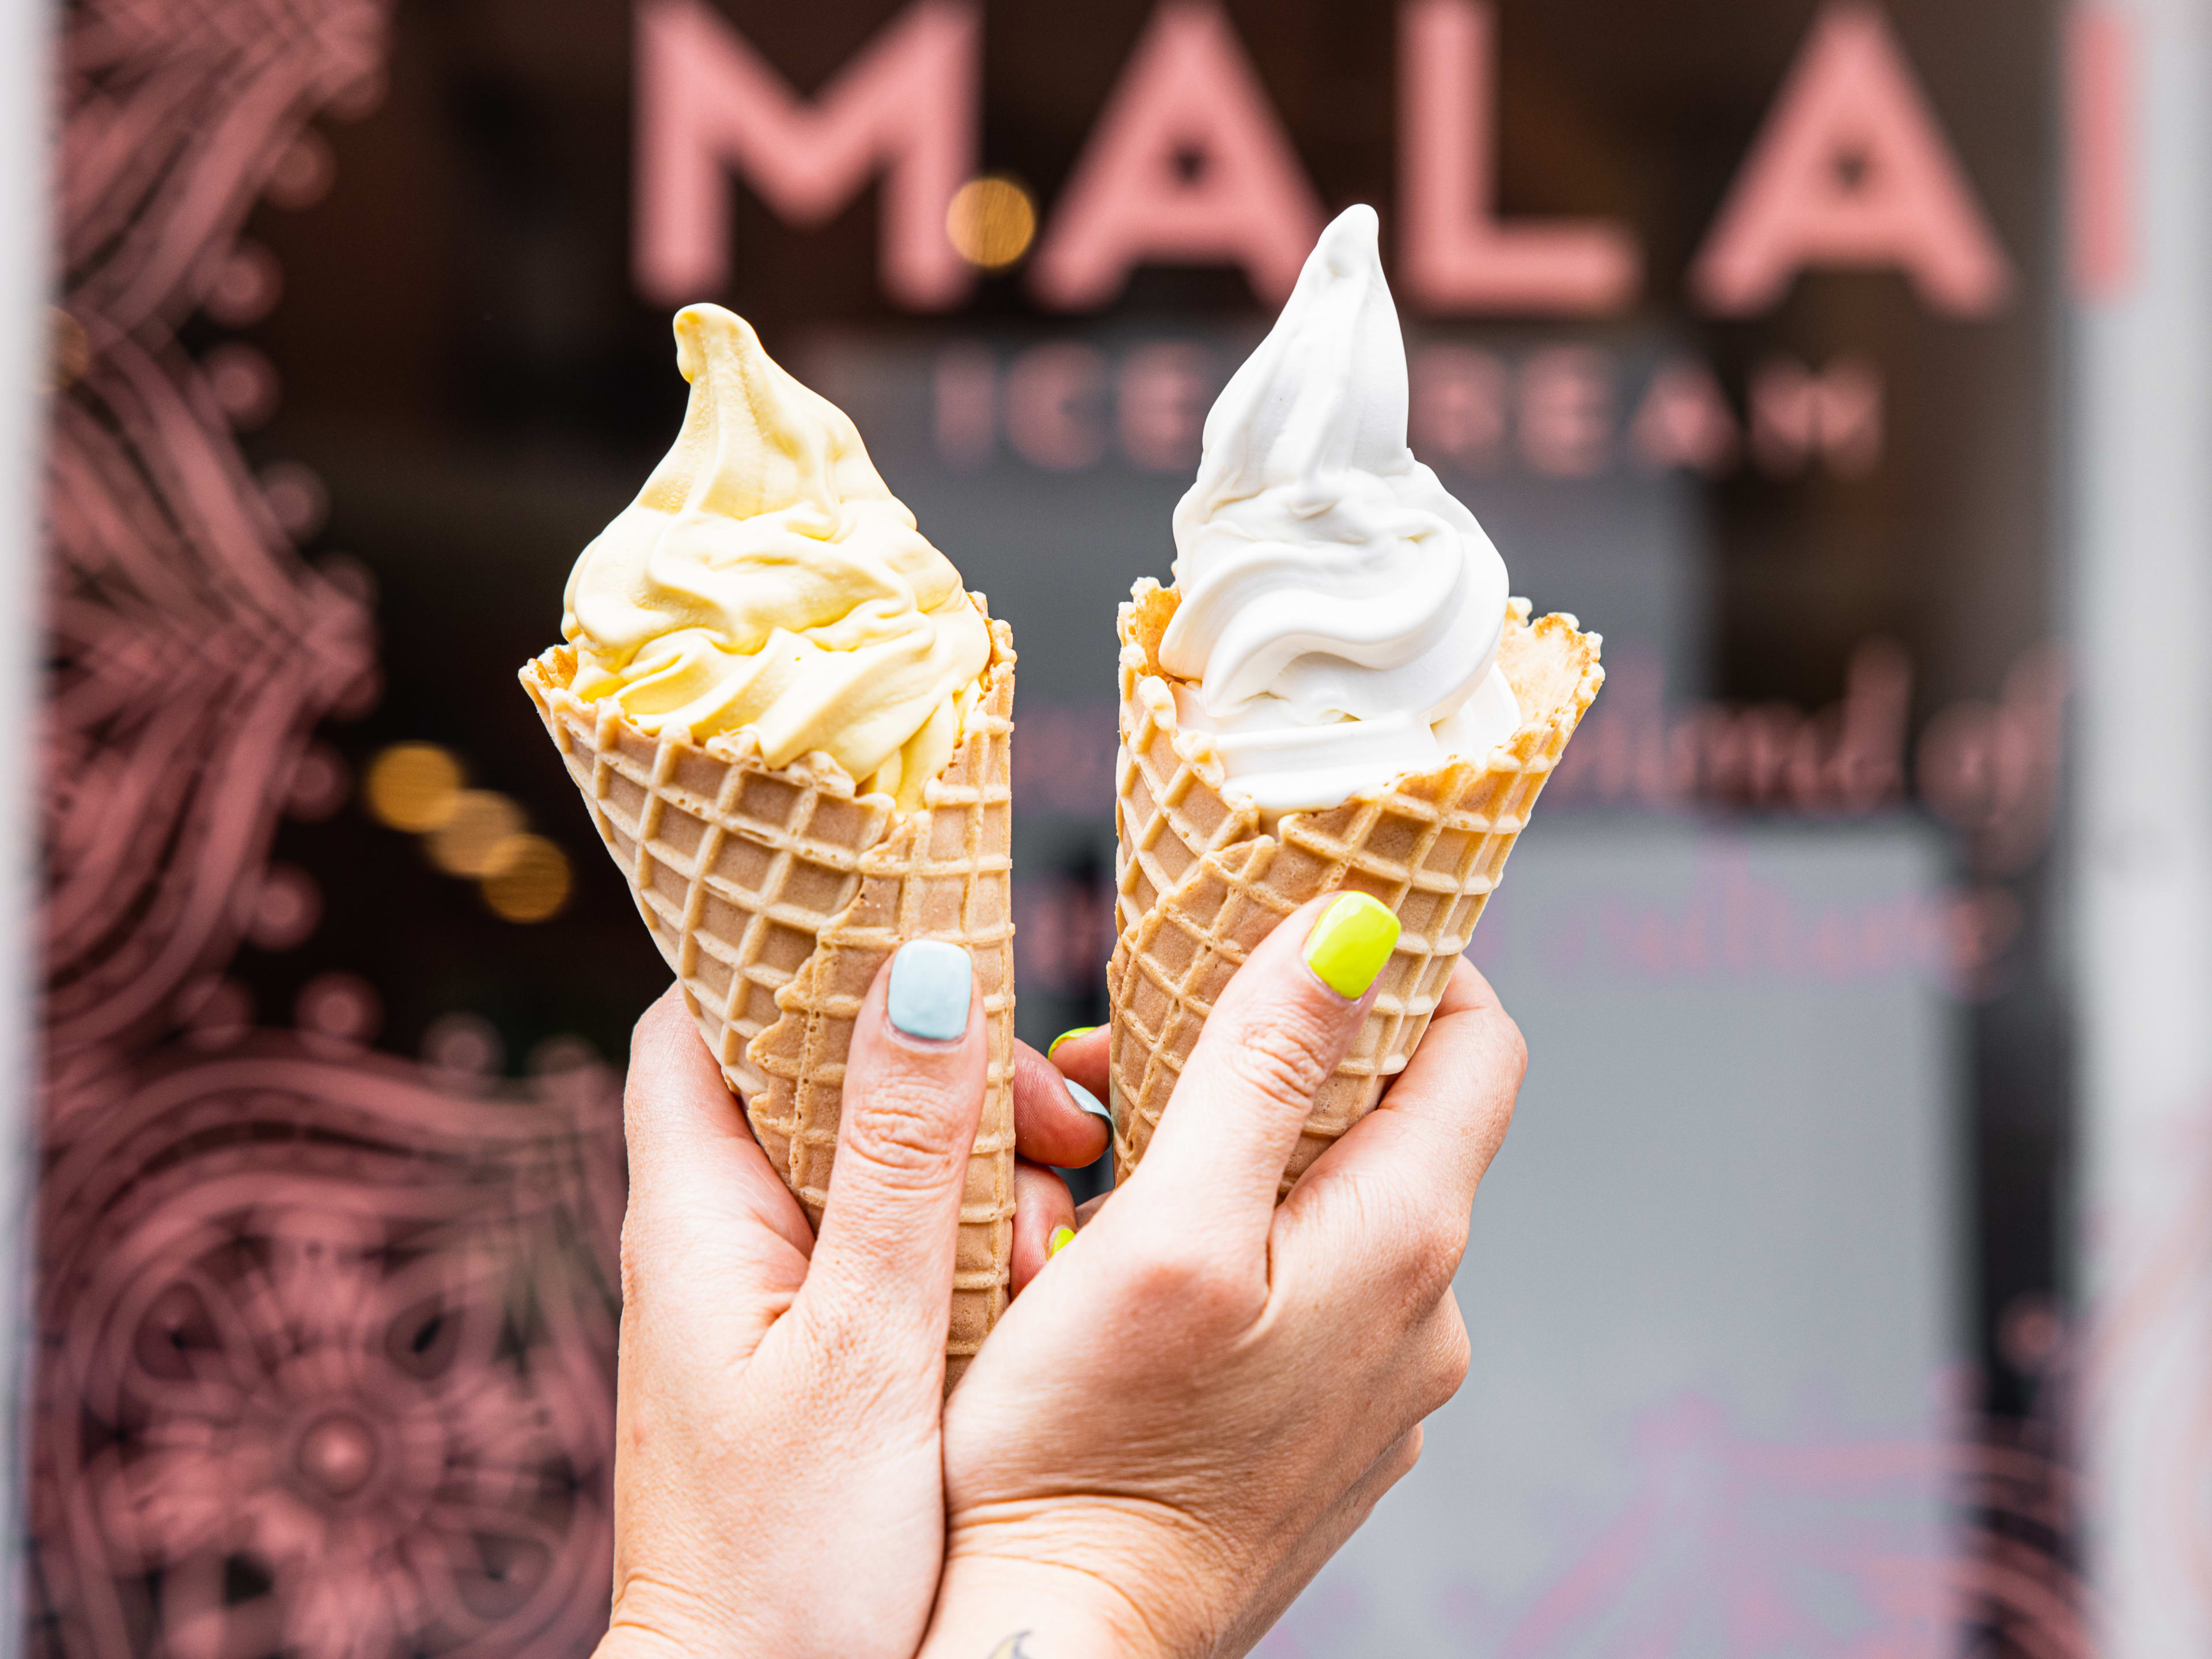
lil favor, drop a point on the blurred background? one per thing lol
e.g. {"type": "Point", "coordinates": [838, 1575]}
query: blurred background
{"type": "Point", "coordinates": [1846, 1287]}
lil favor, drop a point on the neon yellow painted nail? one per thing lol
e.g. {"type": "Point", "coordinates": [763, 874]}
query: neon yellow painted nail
{"type": "Point", "coordinates": [1060, 1239]}
{"type": "Point", "coordinates": [1351, 943]}
{"type": "Point", "coordinates": [1068, 1037]}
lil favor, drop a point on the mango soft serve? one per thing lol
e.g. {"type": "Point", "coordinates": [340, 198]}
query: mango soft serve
{"type": "Point", "coordinates": [767, 579]}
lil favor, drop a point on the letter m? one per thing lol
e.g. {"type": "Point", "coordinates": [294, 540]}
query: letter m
{"type": "Point", "coordinates": [708, 103]}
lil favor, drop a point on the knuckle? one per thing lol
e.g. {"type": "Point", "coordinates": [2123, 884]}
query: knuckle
{"type": "Point", "coordinates": [1516, 1054]}
{"type": "Point", "coordinates": [903, 1133]}
{"type": "Point", "coordinates": [1284, 1060]}
{"type": "Point", "coordinates": [1450, 1355]}
{"type": "Point", "coordinates": [1406, 1454]}
{"type": "Point", "coordinates": [1161, 1276]}
{"type": "Point", "coordinates": [1439, 1243]}
{"type": "Point", "coordinates": [1179, 1284]}
{"type": "Point", "coordinates": [1429, 1239]}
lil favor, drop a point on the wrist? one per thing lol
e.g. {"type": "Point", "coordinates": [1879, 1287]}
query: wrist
{"type": "Point", "coordinates": [624, 1641]}
{"type": "Point", "coordinates": [1000, 1609]}
{"type": "Point", "coordinates": [652, 1619]}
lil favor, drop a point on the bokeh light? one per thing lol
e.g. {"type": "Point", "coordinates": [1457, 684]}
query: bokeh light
{"type": "Point", "coordinates": [531, 880]}
{"type": "Point", "coordinates": [463, 1042]}
{"type": "Point", "coordinates": [476, 834]}
{"type": "Point", "coordinates": [413, 786]}
{"type": "Point", "coordinates": [991, 222]}
{"type": "Point", "coordinates": [341, 1005]}
{"type": "Point", "coordinates": [320, 784]}
{"type": "Point", "coordinates": [286, 909]}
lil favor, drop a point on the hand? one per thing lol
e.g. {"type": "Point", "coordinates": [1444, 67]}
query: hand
{"type": "Point", "coordinates": [778, 1485]}
{"type": "Point", "coordinates": [1199, 1399]}
{"type": "Point", "coordinates": [1050, 1127]}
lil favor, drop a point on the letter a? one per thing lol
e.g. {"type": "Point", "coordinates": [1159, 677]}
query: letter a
{"type": "Point", "coordinates": [1850, 170]}
{"type": "Point", "coordinates": [1189, 165]}
{"type": "Point", "coordinates": [907, 108]}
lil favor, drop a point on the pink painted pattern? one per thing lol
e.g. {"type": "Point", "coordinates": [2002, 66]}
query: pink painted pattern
{"type": "Point", "coordinates": [1733, 1545]}
{"type": "Point", "coordinates": [326, 1339]}
{"type": "Point", "coordinates": [325, 1363]}
{"type": "Point", "coordinates": [1737, 1547]}
{"type": "Point", "coordinates": [193, 649]}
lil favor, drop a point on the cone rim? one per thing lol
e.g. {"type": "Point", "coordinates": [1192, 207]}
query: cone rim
{"type": "Point", "coordinates": [549, 675]}
{"type": "Point", "coordinates": [1148, 681]}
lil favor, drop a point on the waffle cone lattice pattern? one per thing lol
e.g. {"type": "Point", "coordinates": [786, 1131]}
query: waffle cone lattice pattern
{"type": "Point", "coordinates": [1199, 883]}
{"type": "Point", "coordinates": [776, 894]}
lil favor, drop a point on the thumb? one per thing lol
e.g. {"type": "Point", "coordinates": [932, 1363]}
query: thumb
{"type": "Point", "coordinates": [1273, 1037]}
{"type": "Point", "coordinates": [882, 1273]}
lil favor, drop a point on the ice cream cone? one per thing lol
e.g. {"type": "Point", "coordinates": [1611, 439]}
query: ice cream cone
{"type": "Point", "coordinates": [1199, 882]}
{"type": "Point", "coordinates": [776, 894]}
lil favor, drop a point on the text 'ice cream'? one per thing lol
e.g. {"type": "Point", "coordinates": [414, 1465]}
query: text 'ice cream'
{"type": "Point", "coordinates": [1339, 613]}
{"type": "Point", "coordinates": [767, 579]}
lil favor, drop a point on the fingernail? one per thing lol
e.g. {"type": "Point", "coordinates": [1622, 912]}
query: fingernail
{"type": "Point", "coordinates": [931, 982]}
{"type": "Point", "coordinates": [1062, 1237]}
{"type": "Point", "coordinates": [1068, 1037]}
{"type": "Point", "coordinates": [1351, 943]}
{"type": "Point", "coordinates": [1086, 1101]}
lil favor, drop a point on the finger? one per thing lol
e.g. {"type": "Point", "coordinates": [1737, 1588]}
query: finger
{"type": "Point", "coordinates": [1272, 1040]}
{"type": "Point", "coordinates": [1482, 1047]}
{"type": "Point", "coordinates": [694, 1165]}
{"type": "Point", "coordinates": [1444, 1117]}
{"type": "Point", "coordinates": [1087, 1212]}
{"type": "Point", "coordinates": [1080, 1054]}
{"type": "Point", "coordinates": [1042, 1208]}
{"type": "Point", "coordinates": [882, 1277]}
{"type": "Point", "coordinates": [1052, 1123]}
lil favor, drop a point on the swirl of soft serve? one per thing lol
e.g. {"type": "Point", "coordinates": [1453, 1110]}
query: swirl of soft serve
{"type": "Point", "coordinates": [767, 579]}
{"type": "Point", "coordinates": [1340, 613]}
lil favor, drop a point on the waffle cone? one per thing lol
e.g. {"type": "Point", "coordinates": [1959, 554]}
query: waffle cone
{"type": "Point", "coordinates": [1200, 883]}
{"type": "Point", "coordinates": [776, 894]}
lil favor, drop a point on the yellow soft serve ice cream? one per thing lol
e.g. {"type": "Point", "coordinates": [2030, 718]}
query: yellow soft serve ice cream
{"type": "Point", "coordinates": [766, 579]}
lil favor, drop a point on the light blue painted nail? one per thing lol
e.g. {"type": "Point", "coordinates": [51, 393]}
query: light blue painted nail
{"type": "Point", "coordinates": [930, 983]}
{"type": "Point", "coordinates": [1088, 1102]}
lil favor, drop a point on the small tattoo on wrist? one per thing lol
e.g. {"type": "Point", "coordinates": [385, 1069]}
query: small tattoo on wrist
{"type": "Point", "coordinates": [1011, 1648]}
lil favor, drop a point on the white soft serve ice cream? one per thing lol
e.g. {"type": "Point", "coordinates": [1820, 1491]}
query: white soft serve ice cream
{"type": "Point", "coordinates": [1339, 613]}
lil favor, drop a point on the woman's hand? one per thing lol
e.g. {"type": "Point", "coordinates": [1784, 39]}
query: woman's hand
{"type": "Point", "coordinates": [1057, 1121]}
{"type": "Point", "coordinates": [1196, 1402]}
{"type": "Point", "coordinates": [778, 1476]}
